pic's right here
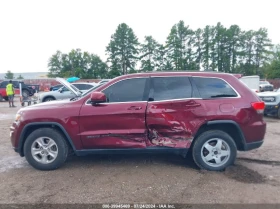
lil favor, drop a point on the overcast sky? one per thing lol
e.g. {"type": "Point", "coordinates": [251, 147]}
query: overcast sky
{"type": "Point", "coordinates": [33, 30]}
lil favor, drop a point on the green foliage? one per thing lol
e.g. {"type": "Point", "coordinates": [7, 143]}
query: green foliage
{"type": "Point", "coordinates": [272, 70]}
{"type": "Point", "coordinates": [9, 75]}
{"type": "Point", "coordinates": [123, 49]}
{"type": "Point", "coordinates": [77, 63]}
{"type": "Point", "coordinates": [150, 54]}
{"type": "Point", "coordinates": [217, 48]}
{"type": "Point", "coordinates": [180, 45]}
{"type": "Point", "coordinates": [20, 77]}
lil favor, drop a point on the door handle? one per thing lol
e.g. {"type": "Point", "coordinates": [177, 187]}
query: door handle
{"type": "Point", "coordinates": [134, 108]}
{"type": "Point", "coordinates": [193, 105]}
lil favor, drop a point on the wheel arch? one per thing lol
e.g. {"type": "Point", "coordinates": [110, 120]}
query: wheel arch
{"type": "Point", "coordinates": [29, 128]}
{"type": "Point", "coordinates": [228, 126]}
{"type": "Point", "coordinates": [48, 96]}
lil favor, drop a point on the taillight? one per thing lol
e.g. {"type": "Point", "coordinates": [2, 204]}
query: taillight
{"type": "Point", "coordinates": [258, 106]}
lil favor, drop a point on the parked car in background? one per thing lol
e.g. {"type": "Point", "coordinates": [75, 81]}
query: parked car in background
{"type": "Point", "coordinates": [103, 81]}
{"type": "Point", "coordinates": [266, 86]}
{"type": "Point", "coordinates": [56, 87]}
{"type": "Point", "coordinates": [210, 114]}
{"type": "Point", "coordinates": [67, 91]}
{"type": "Point", "coordinates": [272, 103]}
{"type": "Point", "coordinates": [27, 90]}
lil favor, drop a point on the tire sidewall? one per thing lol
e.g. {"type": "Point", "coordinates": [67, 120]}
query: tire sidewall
{"type": "Point", "coordinates": [26, 92]}
{"type": "Point", "coordinates": [199, 142]}
{"type": "Point", "coordinates": [61, 145]}
{"type": "Point", "coordinates": [47, 99]}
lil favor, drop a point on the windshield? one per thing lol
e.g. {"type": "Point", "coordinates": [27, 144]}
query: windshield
{"type": "Point", "coordinates": [64, 88]}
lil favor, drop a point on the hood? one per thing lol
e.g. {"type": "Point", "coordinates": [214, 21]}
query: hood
{"type": "Point", "coordinates": [69, 86]}
{"type": "Point", "coordinates": [266, 84]}
{"type": "Point", "coordinates": [268, 93]}
{"type": "Point", "coordinates": [49, 105]}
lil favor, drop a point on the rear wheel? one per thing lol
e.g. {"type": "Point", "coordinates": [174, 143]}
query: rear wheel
{"type": "Point", "coordinates": [214, 150]}
{"type": "Point", "coordinates": [45, 149]}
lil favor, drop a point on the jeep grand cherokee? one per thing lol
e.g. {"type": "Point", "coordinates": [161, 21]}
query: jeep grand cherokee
{"type": "Point", "coordinates": [210, 114]}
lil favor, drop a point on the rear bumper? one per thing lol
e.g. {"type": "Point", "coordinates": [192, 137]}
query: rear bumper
{"type": "Point", "coordinates": [252, 145]}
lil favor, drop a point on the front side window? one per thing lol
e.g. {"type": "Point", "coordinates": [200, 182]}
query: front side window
{"type": "Point", "coordinates": [129, 90]}
{"type": "Point", "coordinates": [213, 88]}
{"type": "Point", "coordinates": [169, 88]}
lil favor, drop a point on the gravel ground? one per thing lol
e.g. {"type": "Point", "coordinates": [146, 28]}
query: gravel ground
{"type": "Point", "coordinates": [255, 177]}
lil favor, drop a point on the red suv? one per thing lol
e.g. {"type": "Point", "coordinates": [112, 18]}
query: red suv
{"type": "Point", "coordinates": [210, 114]}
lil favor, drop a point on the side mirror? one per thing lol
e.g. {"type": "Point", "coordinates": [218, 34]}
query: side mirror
{"type": "Point", "coordinates": [97, 97]}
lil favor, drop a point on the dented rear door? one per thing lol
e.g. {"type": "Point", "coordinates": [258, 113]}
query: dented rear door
{"type": "Point", "coordinates": [172, 112]}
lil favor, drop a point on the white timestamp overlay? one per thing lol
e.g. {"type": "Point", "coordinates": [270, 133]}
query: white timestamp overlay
{"type": "Point", "coordinates": [138, 205]}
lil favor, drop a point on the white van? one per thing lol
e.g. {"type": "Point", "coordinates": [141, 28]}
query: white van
{"type": "Point", "coordinates": [253, 82]}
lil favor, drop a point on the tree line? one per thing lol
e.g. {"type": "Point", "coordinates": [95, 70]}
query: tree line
{"type": "Point", "coordinates": [216, 48]}
{"type": "Point", "coordinates": [10, 75]}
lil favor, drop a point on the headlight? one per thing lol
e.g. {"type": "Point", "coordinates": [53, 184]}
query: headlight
{"type": "Point", "coordinates": [18, 116]}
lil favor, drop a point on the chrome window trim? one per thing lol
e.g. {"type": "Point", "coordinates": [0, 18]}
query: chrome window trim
{"type": "Point", "coordinates": [153, 76]}
{"type": "Point", "coordinates": [171, 100]}
{"type": "Point", "coordinates": [108, 103]}
{"type": "Point", "coordinates": [238, 95]}
{"type": "Point", "coordinates": [86, 103]}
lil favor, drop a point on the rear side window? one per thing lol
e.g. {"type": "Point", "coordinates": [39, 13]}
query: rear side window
{"type": "Point", "coordinates": [169, 88]}
{"type": "Point", "coordinates": [213, 88]}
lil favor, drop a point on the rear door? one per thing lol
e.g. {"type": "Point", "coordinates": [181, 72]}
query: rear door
{"type": "Point", "coordinates": [120, 122]}
{"type": "Point", "coordinates": [172, 112]}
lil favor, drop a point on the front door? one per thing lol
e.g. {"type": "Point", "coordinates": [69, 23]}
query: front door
{"type": "Point", "coordinates": [120, 122]}
{"type": "Point", "coordinates": [172, 112]}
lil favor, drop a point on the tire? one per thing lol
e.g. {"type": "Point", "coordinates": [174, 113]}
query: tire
{"type": "Point", "coordinates": [48, 157]}
{"type": "Point", "coordinates": [6, 98]}
{"type": "Point", "coordinates": [278, 113]}
{"type": "Point", "coordinates": [47, 99]}
{"type": "Point", "coordinates": [214, 158]}
{"type": "Point", "coordinates": [25, 93]}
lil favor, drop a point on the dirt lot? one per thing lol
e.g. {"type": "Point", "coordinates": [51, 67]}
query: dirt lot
{"type": "Point", "coordinates": [255, 178]}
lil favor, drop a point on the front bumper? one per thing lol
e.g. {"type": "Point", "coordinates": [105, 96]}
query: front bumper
{"type": "Point", "coordinates": [271, 109]}
{"type": "Point", "coordinates": [267, 88]}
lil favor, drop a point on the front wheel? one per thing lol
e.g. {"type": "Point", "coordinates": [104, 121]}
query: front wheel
{"type": "Point", "coordinates": [48, 99]}
{"type": "Point", "coordinates": [214, 150]}
{"type": "Point", "coordinates": [45, 149]}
